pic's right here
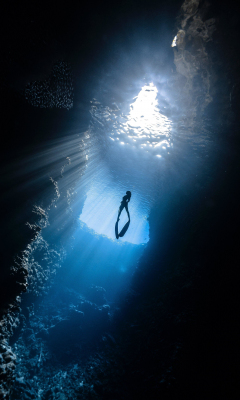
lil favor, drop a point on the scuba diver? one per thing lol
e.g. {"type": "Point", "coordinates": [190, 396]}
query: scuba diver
{"type": "Point", "coordinates": [124, 204]}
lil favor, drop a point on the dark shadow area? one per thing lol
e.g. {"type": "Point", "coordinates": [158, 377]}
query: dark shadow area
{"type": "Point", "coordinates": [172, 332]}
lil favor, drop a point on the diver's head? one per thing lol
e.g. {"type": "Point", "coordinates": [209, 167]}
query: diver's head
{"type": "Point", "coordinates": [129, 194]}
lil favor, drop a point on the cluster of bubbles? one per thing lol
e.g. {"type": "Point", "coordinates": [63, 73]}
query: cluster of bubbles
{"type": "Point", "coordinates": [55, 91]}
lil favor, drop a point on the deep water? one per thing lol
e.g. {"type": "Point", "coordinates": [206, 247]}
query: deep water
{"type": "Point", "coordinates": [152, 314]}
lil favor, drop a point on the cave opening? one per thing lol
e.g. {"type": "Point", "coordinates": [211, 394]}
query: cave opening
{"type": "Point", "coordinates": [144, 103]}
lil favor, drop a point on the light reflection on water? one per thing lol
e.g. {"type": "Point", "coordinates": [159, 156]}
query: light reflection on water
{"type": "Point", "coordinates": [145, 127]}
{"type": "Point", "coordinates": [132, 144]}
{"type": "Point", "coordinates": [145, 123]}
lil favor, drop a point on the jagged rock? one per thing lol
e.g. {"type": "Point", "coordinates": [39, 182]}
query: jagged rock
{"type": "Point", "coordinates": [2, 368]}
{"type": "Point", "coordinates": [191, 57]}
{"type": "Point", "coordinates": [3, 348]}
{"type": "Point", "coordinates": [194, 88]}
{"type": "Point", "coordinates": [8, 357]}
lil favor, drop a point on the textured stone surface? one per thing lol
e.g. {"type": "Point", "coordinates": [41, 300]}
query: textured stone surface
{"type": "Point", "coordinates": [192, 58]}
{"type": "Point", "coordinates": [206, 82]}
{"type": "Point", "coordinates": [58, 332]}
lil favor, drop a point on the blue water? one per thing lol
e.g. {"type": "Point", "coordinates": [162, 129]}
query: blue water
{"type": "Point", "coordinates": [137, 139]}
{"type": "Point", "coordinates": [97, 103]}
{"type": "Point", "coordinates": [129, 145]}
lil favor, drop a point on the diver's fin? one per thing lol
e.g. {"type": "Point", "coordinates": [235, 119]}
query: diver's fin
{"type": "Point", "coordinates": [124, 229]}
{"type": "Point", "coordinates": [116, 230]}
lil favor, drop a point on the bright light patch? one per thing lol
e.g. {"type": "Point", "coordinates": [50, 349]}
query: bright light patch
{"type": "Point", "coordinates": [100, 212]}
{"type": "Point", "coordinates": [145, 120]}
{"type": "Point", "coordinates": [174, 42]}
{"type": "Point", "coordinates": [143, 125]}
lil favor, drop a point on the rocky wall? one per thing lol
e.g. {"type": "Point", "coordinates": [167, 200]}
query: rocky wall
{"type": "Point", "coordinates": [194, 69]}
{"type": "Point", "coordinates": [206, 81]}
{"type": "Point", "coordinates": [58, 334]}
{"type": "Point", "coordinates": [205, 46]}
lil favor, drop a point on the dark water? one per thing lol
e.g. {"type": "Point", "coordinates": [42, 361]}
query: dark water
{"type": "Point", "coordinates": [149, 313]}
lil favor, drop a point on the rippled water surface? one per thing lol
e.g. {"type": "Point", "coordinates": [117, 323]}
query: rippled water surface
{"type": "Point", "coordinates": [139, 138]}
{"type": "Point", "coordinates": [141, 145]}
{"type": "Point", "coordinates": [126, 112]}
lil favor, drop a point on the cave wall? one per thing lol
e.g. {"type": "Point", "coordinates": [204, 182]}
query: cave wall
{"type": "Point", "coordinates": [207, 84]}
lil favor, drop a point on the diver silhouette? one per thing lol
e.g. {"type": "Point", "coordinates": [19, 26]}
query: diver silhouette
{"type": "Point", "coordinates": [124, 204]}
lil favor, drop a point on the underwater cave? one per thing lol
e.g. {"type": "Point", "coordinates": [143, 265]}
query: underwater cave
{"type": "Point", "coordinates": [98, 100]}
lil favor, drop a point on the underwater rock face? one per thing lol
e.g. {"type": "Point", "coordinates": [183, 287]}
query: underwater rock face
{"type": "Point", "coordinates": [51, 338]}
{"type": "Point", "coordinates": [9, 323]}
{"type": "Point", "coordinates": [58, 331]}
{"type": "Point", "coordinates": [35, 268]}
{"type": "Point", "coordinates": [191, 55]}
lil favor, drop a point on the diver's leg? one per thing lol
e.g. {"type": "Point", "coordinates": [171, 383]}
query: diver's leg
{"type": "Point", "coordinates": [119, 212]}
{"type": "Point", "coordinates": [126, 207]}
